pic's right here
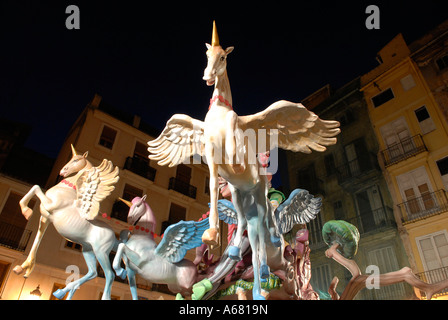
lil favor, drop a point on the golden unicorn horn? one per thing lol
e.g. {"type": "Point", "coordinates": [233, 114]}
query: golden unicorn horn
{"type": "Point", "coordinates": [215, 38]}
{"type": "Point", "coordinates": [128, 203]}
{"type": "Point", "coordinates": [74, 151]}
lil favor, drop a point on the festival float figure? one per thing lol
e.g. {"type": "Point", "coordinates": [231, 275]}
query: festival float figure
{"type": "Point", "coordinates": [72, 206]}
{"type": "Point", "coordinates": [162, 263]}
{"type": "Point", "coordinates": [284, 124]}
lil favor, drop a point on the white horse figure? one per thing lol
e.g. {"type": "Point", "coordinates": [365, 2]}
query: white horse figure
{"type": "Point", "coordinates": [284, 124]}
{"type": "Point", "coordinates": [161, 263]}
{"type": "Point", "coordinates": [72, 206]}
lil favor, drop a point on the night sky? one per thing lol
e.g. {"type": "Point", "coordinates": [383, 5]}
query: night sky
{"type": "Point", "coordinates": [149, 59]}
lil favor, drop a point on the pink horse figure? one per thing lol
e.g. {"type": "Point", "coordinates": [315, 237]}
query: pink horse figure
{"type": "Point", "coordinates": [161, 263]}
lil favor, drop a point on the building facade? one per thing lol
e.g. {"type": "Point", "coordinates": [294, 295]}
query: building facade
{"type": "Point", "coordinates": [174, 194]}
{"type": "Point", "coordinates": [348, 178]}
{"type": "Point", "coordinates": [411, 129]}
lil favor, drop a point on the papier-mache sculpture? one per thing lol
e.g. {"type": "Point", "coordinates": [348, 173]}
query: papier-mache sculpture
{"type": "Point", "coordinates": [72, 206]}
{"type": "Point", "coordinates": [220, 139]}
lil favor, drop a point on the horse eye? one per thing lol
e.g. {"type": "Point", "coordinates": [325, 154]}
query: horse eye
{"type": "Point", "coordinates": [223, 58]}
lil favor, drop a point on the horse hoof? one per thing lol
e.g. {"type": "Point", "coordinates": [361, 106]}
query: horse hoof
{"type": "Point", "coordinates": [18, 269]}
{"type": "Point", "coordinates": [276, 241]}
{"type": "Point", "coordinates": [121, 273]}
{"type": "Point", "coordinates": [234, 253]}
{"type": "Point", "coordinates": [211, 237]}
{"type": "Point", "coordinates": [201, 288]}
{"type": "Point", "coordinates": [264, 271]}
{"type": "Point", "coordinates": [179, 297]}
{"type": "Point", "coordinates": [258, 296]}
{"type": "Point", "coordinates": [59, 294]}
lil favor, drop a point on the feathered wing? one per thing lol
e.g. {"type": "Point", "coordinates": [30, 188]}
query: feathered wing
{"type": "Point", "coordinates": [227, 212]}
{"type": "Point", "coordinates": [181, 237]}
{"type": "Point", "coordinates": [182, 138]}
{"type": "Point", "coordinates": [296, 128]}
{"type": "Point", "coordinates": [94, 186]}
{"type": "Point", "coordinates": [301, 207]}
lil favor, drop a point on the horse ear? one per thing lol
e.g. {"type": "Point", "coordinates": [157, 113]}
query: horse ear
{"type": "Point", "coordinates": [85, 154]}
{"type": "Point", "coordinates": [208, 45]}
{"type": "Point", "coordinates": [229, 49]}
{"type": "Point", "coordinates": [144, 198]}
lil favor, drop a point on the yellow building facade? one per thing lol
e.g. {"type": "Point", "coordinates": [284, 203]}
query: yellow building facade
{"type": "Point", "coordinates": [413, 139]}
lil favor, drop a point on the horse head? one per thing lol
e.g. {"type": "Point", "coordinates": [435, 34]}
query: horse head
{"type": "Point", "coordinates": [76, 164]}
{"type": "Point", "coordinates": [140, 213]}
{"type": "Point", "coordinates": [216, 57]}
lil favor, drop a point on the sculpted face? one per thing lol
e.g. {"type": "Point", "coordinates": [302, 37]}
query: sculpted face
{"type": "Point", "coordinates": [76, 163]}
{"type": "Point", "coordinates": [216, 63]}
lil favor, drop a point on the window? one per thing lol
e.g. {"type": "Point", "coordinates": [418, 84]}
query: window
{"type": "Point", "coordinates": [207, 186]}
{"type": "Point", "coordinates": [383, 97]}
{"type": "Point", "coordinates": [321, 278]}
{"type": "Point", "coordinates": [338, 210]}
{"type": "Point", "coordinates": [407, 82]}
{"type": "Point", "coordinates": [73, 246]}
{"type": "Point", "coordinates": [315, 231]}
{"type": "Point", "coordinates": [424, 120]}
{"type": "Point", "coordinates": [443, 168]}
{"type": "Point", "coordinates": [346, 118]}
{"type": "Point", "coordinates": [4, 267]}
{"type": "Point", "coordinates": [433, 249]}
{"type": "Point", "coordinates": [183, 173]}
{"type": "Point", "coordinates": [141, 151]}
{"type": "Point", "coordinates": [442, 62]}
{"type": "Point", "coordinates": [330, 167]}
{"type": "Point", "coordinates": [107, 138]}
{"type": "Point", "coordinates": [385, 259]}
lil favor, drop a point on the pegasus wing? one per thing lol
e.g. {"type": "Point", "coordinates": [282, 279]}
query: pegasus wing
{"type": "Point", "coordinates": [301, 207]}
{"type": "Point", "coordinates": [94, 186]}
{"type": "Point", "coordinates": [181, 237]}
{"type": "Point", "coordinates": [291, 126]}
{"type": "Point", "coordinates": [227, 212]}
{"type": "Point", "coordinates": [182, 138]}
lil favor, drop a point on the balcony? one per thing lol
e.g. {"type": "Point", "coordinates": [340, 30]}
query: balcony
{"type": "Point", "coordinates": [182, 187]}
{"type": "Point", "coordinates": [403, 150]}
{"type": "Point", "coordinates": [354, 173]}
{"type": "Point", "coordinates": [428, 204]}
{"type": "Point", "coordinates": [434, 276]}
{"type": "Point", "coordinates": [374, 220]}
{"type": "Point", "coordinates": [14, 237]}
{"type": "Point", "coordinates": [141, 167]}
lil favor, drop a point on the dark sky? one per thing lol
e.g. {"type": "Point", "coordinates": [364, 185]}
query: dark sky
{"type": "Point", "coordinates": [148, 57]}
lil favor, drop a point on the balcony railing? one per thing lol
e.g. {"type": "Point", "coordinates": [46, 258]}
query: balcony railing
{"type": "Point", "coordinates": [403, 150]}
{"type": "Point", "coordinates": [428, 204]}
{"type": "Point", "coordinates": [141, 167]}
{"type": "Point", "coordinates": [14, 237]}
{"type": "Point", "coordinates": [182, 187]}
{"type": "Point", "coordinates": [373, 220]}
{"type": "Point", "coordinates": [356, 168]}
{"type": "Point", "coordinates": [434, 276]}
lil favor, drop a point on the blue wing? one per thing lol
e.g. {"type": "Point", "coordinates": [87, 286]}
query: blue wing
{"type": "Point", "coordinates": [301, 207]}
{"type": "Point", "coordinates": [181, 237]}
{"type": "Point", "coordinates": [227, 212]}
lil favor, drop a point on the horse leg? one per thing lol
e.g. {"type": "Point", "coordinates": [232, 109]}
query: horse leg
{"type": "Point", "coordinates": [121, 253]}
{"type": "Point", "coordinates": [103, 258]}
{"type": "Point", "coordinates": [262, 209]}
{"type": "Point", "coordinates": [254, 242]}
{"type": "Point", "coordinates": [29, 263]}
{"type": "Point", "coordinates": [211, 235]}
{"type": "Point", "coordinates": [44, 200]}
{"type": "Point", "coordinates": [89, 257]}
{"type": "Point", "coordinates": [235, 248]}
{"type": "Point", "coordinates": [234, 143]}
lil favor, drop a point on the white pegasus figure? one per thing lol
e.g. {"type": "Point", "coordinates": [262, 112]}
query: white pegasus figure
{"type": "Point", "coordinates": [284, 124]}
{"type": "Point", "coordinates": [72, 206]}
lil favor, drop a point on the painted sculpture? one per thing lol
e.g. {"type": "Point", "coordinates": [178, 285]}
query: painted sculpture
{"type": "Point", "coordinates": [161, 263]}
{"type": "Point", "coordinates": [342, 239]}
{"type": "Point", "coordinates": [284, 124]}
{"type": "Point", "coordinates": [72, 206]}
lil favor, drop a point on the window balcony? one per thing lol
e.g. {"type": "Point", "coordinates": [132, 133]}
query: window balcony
{"type": "Point", "coordinates": [403, 150]}
{"type": "Point", "coordinates": [434, 276]}
{"type": "Point", "coordinates": [428, 204]}
{"type": "Point", "coordinates": [141, 167]}
{"type": "Point", "coordinates": [182, 187]}
{"type": "Point", "coordinates": [357, 170]}
{"type": "Point", "coordinates": [14, 237]}
{"type": "Point", "coordinates": [373, 220]}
